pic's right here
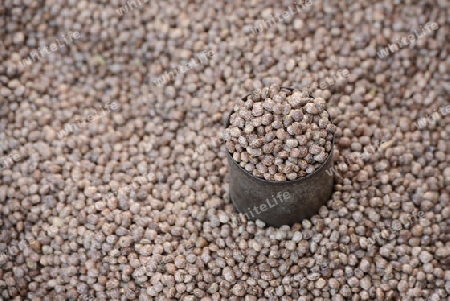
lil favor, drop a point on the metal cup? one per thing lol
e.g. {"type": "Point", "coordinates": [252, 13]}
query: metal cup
{"type": "Point", "coordinates": [280, 203]}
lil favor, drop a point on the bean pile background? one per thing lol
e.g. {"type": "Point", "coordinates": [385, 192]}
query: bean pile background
{"type": "Point", "coordinates": [70, 231]}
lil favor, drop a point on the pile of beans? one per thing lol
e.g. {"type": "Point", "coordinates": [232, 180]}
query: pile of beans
{"type": "Point", "coordinates": [70, 231]}
{"type": "Point", "coordinates": [277, 134]}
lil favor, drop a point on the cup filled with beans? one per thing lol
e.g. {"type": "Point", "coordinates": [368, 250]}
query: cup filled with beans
{"type": "Point", "coordinates": [279, 142]}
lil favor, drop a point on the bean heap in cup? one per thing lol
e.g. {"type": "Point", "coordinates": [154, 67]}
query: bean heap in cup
{"type": "Point", "coordinates": [278, 134]}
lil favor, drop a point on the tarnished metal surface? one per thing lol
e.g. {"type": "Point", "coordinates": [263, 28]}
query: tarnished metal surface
{"type": "Point", "coordinates": [306, 195]}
